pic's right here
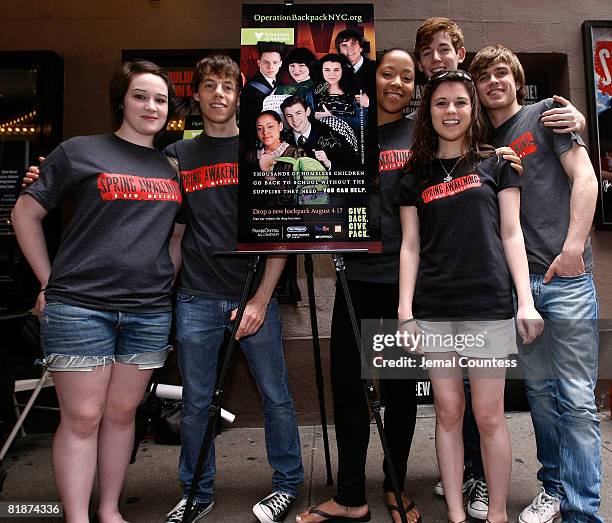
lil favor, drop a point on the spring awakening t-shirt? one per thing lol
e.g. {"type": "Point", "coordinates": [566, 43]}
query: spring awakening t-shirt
{"type": "Point", "coordinates": [545, 199]}
{"type": "Point", "coordinates": [209, 177]}
{"type": "Point", "coordinates": [463, 272]}
{"type": "Point", "coordinates": [395, 140]}
{"type": "Point", "coordinates": [114, 255]}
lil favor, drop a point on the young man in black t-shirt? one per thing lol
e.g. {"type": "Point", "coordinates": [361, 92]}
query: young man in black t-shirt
{"type": "Point", "coordinates": [557, 207]}
{"type": "Point", "coordinates": [209, 289]}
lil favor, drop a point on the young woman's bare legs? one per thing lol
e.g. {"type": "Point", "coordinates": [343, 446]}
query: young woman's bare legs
{"type": "Point", "coordinates": [488, 405]}
{"type": "Point", "coordinates": [82, 397]}
{"type": "Point", "coordinates": [449, 397]}
{"type": "Point", "coordinates": [97, 426]}
{"type": "Point", "coordinates": [116, 436]}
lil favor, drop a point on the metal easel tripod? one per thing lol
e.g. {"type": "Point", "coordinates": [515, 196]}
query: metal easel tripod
{"type": "Point", "coordinates": [370, 389]}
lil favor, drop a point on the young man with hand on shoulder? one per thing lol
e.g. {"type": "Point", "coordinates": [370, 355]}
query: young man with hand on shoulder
{"type": "Point", "coordinates": [557, 207]}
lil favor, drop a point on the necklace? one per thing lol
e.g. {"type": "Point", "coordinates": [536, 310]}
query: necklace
{"type": "Point", "coordinates": [449, 175]}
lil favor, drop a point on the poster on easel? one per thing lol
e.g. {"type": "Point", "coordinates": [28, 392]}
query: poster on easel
{"type": "Point", "coordinates": [308, 142]}
{"type": "Point", "coordinates": [598, 62]}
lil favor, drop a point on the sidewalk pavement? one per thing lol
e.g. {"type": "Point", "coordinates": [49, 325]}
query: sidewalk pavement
{"type": "Point", "coordinates": [243, 474]}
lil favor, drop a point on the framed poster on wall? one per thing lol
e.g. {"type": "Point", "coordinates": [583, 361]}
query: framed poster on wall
{"type": "Point", "coordinates": [597, 36]}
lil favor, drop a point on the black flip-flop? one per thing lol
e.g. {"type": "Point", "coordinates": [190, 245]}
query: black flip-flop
{"type": "Point", "coordinates": [407, 508]}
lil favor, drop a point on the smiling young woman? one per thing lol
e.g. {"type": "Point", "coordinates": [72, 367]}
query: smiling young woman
{"type": "Point", "coordinates": [373, 284]}
{"type": "Point", "coordinates": [459, 209]}
{"type": "Point", "coordinates": [104, 303]}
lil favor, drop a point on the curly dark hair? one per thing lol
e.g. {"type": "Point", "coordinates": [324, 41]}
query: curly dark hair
{"type": "Point", "coordinates": [425, 144]}
{"type": "Point", "coordinates": [300, 55]}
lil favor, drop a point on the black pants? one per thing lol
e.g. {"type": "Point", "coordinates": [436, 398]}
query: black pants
{"type": "Point", "coordinates": [352, 418]}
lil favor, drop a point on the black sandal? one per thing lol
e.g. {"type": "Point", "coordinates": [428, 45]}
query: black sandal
{"type": "Point", "coordinates": [393, 508]}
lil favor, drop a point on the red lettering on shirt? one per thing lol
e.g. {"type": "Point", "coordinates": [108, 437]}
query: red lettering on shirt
{"type": "Point", "coordinates": [393, 159]}
{"type": "Point", "coordinates": [131, 187]}
{"type": "Point", "coordinates": [446, 189]}
{"type": "Point", "coordinates": [524, 145]}
{"type": "Point", "coordinates": [208, 176]}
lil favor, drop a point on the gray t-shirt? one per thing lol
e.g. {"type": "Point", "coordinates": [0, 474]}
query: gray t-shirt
{"type": "Point", "coordinates": [545, 199]}
{"type": "Point", "coordinates": [209, 176]}
{"type": "Point", "coordinates": [395, 140]}
{"type": "Point", "coordinates": [114, 255]}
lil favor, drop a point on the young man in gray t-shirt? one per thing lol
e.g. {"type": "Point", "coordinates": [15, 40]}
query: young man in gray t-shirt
{"type": "Point", "coordinates": [557, 207]}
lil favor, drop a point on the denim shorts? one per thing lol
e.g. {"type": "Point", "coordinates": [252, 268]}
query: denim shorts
{"type": "Point", "coordinates": [79, 339]}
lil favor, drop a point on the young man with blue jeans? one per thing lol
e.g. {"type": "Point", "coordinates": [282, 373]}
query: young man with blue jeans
{"type": "Point", "coordinates": [557, 207]}
{"type": "Point", "coordinates": [209, 289]}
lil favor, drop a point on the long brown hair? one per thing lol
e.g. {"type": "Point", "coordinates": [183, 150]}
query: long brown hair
{"type": "Point", "coordinates": [426, 140]}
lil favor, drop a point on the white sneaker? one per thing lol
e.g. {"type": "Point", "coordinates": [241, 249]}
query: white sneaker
{"type": "Point", "coordinates": [468, 481]}
{"type": "Point", "coordinates": [543, 509]}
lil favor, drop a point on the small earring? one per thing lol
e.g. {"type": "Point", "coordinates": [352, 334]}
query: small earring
{"type": "Point", "coordinates": [120, 106]}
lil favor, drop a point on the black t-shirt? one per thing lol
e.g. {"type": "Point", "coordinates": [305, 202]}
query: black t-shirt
{"type": "Point", "coordinates": [462, 269]}
{"type": "Point", "coordinates": [209, 175]}
{"type": "Point", "coordinates": [395, 140]}
{"type": "Point", "coordinates": [114, 255]}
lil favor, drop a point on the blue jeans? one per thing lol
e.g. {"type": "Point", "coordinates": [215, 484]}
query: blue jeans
{"type": "Point", "coordinates": [200, 327]}
{"type": "Point", "coordinates": [560, 375]}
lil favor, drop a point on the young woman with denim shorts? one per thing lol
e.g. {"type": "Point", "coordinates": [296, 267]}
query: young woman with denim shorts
{"type": "Point", "coordinates": [104, 302]}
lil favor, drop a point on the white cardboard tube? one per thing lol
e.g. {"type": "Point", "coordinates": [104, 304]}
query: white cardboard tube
{"type": "Point", "coordinates": [175, 392]}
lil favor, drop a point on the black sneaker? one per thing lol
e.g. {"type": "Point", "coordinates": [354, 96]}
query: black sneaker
{"type": "Point", "coordinates": [273, 508]}
{"type": "Point", "coordinates": [478, 502]}
{"type": "Point", "coordinates": [198, 511]}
